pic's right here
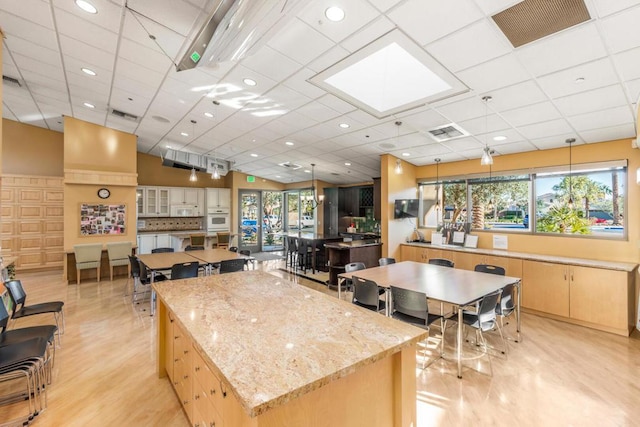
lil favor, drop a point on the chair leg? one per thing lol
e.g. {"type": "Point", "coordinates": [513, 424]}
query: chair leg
{"type": "Point", "coordinates": [486, 350]}
{"type": "Point", "coordinates": [98, 273]}
{"type": "Point", "coordinates": [78, 272]}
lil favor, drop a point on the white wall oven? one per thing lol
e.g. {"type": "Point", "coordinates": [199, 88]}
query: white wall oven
{"type": "Point", "coordinates": [218, 219]}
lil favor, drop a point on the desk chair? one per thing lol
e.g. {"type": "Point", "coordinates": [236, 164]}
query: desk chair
{"type": "Point", "coordinates": [161, 250]}
{"type": "Point", "coordinates": [366, 293]}
{"type": "Point", "coordinates": [247, 252]}
{"type": "Point", "coordinates": [193, 248]}
{"type": "Point", "coordinates": [224, 238]}
{"type": "Point", "coordinates": [231, 265]}
{"type": "Point", "coordinates": [197, 240]}
{"type": "Point", "coordinates": [140, 275]}
{"type": "Point", "coordinates": [386, 261]}
{"type": "Point", "coordinates": [491, 269]}
{"type": "Point", "coordinates": [411, 307]}
{"type": "Point", "coordinates": [88, 256]}
{"type": "Point", "coordinates": [442, 262]}
{"type": "Point", "coordinates": [118, 253]}
{"type": "Point", "coordinates": [349, 268]}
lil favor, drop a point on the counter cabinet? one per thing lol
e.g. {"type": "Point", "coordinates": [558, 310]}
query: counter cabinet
{"type": "Point", "coordinates": [597, 297]}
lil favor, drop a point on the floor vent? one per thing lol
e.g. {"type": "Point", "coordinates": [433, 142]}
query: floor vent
{"type": "Point", "coordinates": [447, 132]}
{"type": "Point", "coordinates": [531, 20]}
{"type": "Point", "coordinates": [123, 115]}
{"type": "Point", "coordinates": [11, 81]}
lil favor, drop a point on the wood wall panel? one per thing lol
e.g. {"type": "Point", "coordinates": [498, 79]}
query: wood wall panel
{"type": "Point", "coordinates": [33, 221]}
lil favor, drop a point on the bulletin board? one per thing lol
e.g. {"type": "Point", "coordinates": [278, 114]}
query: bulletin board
{"type": "Point", "coordinates": [98, 219]}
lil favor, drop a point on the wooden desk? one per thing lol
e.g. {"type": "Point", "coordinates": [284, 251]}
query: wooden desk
{"type": "Point", "coordinates": [444, 284]}
{"type": "Point", "coordinates": [276, 366]}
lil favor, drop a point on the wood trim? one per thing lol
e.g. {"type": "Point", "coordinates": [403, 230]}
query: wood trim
{"type": "Point", "coordinates": [624, 332]}
{"type": "Point", "coordinates": [92, 177]}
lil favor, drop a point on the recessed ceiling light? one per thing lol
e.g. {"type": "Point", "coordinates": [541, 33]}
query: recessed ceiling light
{"type": "Point", "coordinates": [250, 82]}
{"type": "Point", "coordinates": [89, 105]}
{"type": "Point", "coordinates": [580, 80]}
{"type": "Point", "coordinates": [184, 134]}
{"type": "Point", "coordinates": [499, 138]}
{"type": "Point", "coordinates": [210, 115]}
{"type": "Point", "coordinates": [88, 71]}
{"type": "Point", "coordinates": [344, 125]}
{"type": "Point", "coordinates": [278, 176]}
{"type": "Point", "coordinates": [334, 14]}
{"type": "Point", "coordinates": [160, 119]}
{"type": "Point", "coordinates": [168, 146]}
{"type": "Point", "coordinates": [254, 155]}
{"type": "Point", "coordinates": [406, 154]}
{"type": "Point", "coordinates": [289, 143]}
{"type": "Point", "coordinates": [307, 171]}
{"type": "Point", "coordinates": [347, 164]}
{"type": "Point", "coordinates": [86, 6]}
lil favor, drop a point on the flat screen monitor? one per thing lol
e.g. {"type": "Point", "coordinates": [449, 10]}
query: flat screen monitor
{"type": "Point", "coordinates": [405, 208]}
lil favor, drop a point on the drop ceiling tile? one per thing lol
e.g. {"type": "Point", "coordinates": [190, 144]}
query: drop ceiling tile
{"type": "Point", "coordinates": [298, 82]}
{"type": "Point", "coordinates": [336, 103]}
{"type": "Point", "coordinates": [177, 15]}
{"type": "Point", "coordinates": [596, 74]}
{"type": "Point", "coordinates": [556, 141]}
{"type": "Point", "coordinates": [287, 98]}
{"type": "Point", "coordinates": [375, 29]}
{"type": "Point", "coordinates": [384, 5]}
{"type": "Point", "coordinates": [20, 47]}
{"type": "Point", "coordinates": [559, 51]}
{"type": "Point", "coordinates": [39, 71]}
{"type": "Point", "coordinates": [511, 135]}
{"type": "Point", "coordinates": [109, 14]}
{"type": "Point", "coordinates": [615, 30]}
{"type": "Point", "coordinates": [446, 157]}
{"type": "Point", "coordinates": [544, 129]}
{"type": "Point", "coordinates": [463, 144]}
{"type": "Point", "coordinates": [55, 125]}
{"type": "Point", "coordinates": [595, 100]}
{"type": "Point", "coordinates": [329, 58]}
{"type": "Point", "coordinates": [424, 120]}
{"type": "Point", "coordinates": [144, 56]}
{"type": "Point", "coordinates": [38, 90]}
{"type": "Point", "coordinates": [300, 42]}
{"type": "Point", "coordinates": [51, 80]}
{"type": "Point", "coordinates": [602, 119]}
{"type": "Point", "coordinates": [137, 105]}
{"type": "Point", "coordinates": [62, 106]}
{"type": "Point", "coordinates": [463, 110]}
{"type": "Point", "coordinates": [133, 87]}
{"type": "Point", "coordinates": [356, 14]}
{"type": "Point", "coordinates": [93, 95]}
{"type": "Point", "coordinates": [80, 29]}
{"type": "Point", "coordinates": [271, 63]}
{"type": "Point", "coordinates": [608, 7]}
{"type": "Point", "coordinates": [490, 8]}
{"type": "Point", "coordinates": [91, 116]}
{"type": "Point", "coordinates": [633, 88]}
{"type": "Point", "coordinates": [138, 73]}
{"type": "Point", "coordinates": [516, 147]}
{"type": "Point", "coordinates": [38, 11]}
{"type": "Point", "coordinates": [609, 134]}
{"type": "Point", "coordinates": [443, 18]}
{"type": "Point", "coordinates": [627, 63]}
{"type": "Point", "coordinates": [73, 68]}
{"type": "Point", "coordinates": [122, 125]}
{"type": "Point", "coordinates": [497, 73]}
{"type": "Point", "coordinates": [536, 113]}
{"type": "Point", "coordinates": [518, 95]}
{"type": "Point", "coordinates": [469, 46]}
{"type": "Point", "coordinates": [84, 52]}
{"type": "Point", "coordinates": [14, 26]}
{"type": "Point", "coordinates": [489, 123]}
{"type": "Point", "coordinates": [166, 41]}
{"type": "Point", "coordinates": [318, 112]}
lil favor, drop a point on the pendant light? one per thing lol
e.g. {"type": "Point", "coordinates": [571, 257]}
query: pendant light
{"type": "Point", "coordinates": [486, 154]}
{"type": "Point", "coordinates": [193, 177]}
{"type": "Point", "coordinates": [315, 201]}
{"type": "Point", "coordinates": [490, 204]}
{"type": "Point", "coordinates": [398, 168]}
{"type": "Point", "coordinates": [570, 141]}
{"type": "Point", "coordinates": [438, 160]}
{"type": "Point", "coordinates": [216, 172]}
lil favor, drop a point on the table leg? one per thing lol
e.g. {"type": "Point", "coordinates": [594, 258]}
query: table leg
{"type": "Point", "coordinates": [340, 282]}
{"type": "Point", "coordinates": [153, 295]}
{"type": "Point", "coordinates": [459, 339]}
{"type": "Point", "coordinates": [518, 301]}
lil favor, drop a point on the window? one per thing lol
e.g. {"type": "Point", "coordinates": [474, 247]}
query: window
{"type": "Point", "coordinates": [536, 203]}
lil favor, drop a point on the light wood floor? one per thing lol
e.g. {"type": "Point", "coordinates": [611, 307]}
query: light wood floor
{"type": "Point", "coordinates": [560, 375]}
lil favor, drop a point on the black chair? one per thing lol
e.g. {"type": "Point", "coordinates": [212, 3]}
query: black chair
{"type": "Point", "coordinates": [231, 265]}
{"type": "Point", "coordinates": [491, 269]}
{"type": "Point", "coordinates": [193, 248]}
{"type": "Point", "coordinates": [25, 359]}
{"type": "Point", "coordinates": [184, 270]}
{"type": "Point", "coordinates": [20, 309]}
{"type": "Point", "coordinates": [161, 250]}
{"type": "Point", "coordinates": [506, 306]}
{"type": "Point", "coordinates": [349, 268]}
{"type": "Point", "coordinates": [233, 249]}
{"type": "Point", "coordinates": [366, 293]}
{"type": "Point", "coordinates": [386, 261]}
{"type": "Point", "coordinates": [412, 307]}
{"type": "Point", "coordinates": [304, 255]}
{"type": "Point", "coordinates": [141, 278]}
{"type": "Point", "coordinates": [247, 252]}
{"type": "Point", "coordinates": [292, 251]}
{"type": "Point", "coordinates": [442, 262]}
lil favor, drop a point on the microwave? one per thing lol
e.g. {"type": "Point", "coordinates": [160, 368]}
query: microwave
{"type": "Point", "coordinates": [184, 210]}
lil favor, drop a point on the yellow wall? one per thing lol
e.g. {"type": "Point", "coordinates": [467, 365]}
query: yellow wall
{"type": "Point", "coordinates": [571, 246]}
{"type": "Point", "coordinates": [151, 172]}
{"type": "Point", "coordinates": [90, 148]}
{"type": "Point", "coordinates": [31, 150]}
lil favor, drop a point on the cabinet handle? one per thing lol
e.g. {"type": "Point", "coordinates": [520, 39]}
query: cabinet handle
{"type": "Point", "coordinates": [186, 351]}
{"type": "Point", "coordinates": [171, 320]}
{"type": "Point", "coordinates": [175, 360]}
{"type": "Point", "coordinates": [196, 397]}
{"type": "Point", "coordinates": [212, 424]}
{"type": "Point", "coordinates": [212, 391]}
{"type": "Point", "coordinates": [184, 402]}
{"type": "Point", "coordinates": [176, 337]}
{"type": "Point", "coordinates": [197, 368]}
{"type": "Point", "coordinates": [565, 274]}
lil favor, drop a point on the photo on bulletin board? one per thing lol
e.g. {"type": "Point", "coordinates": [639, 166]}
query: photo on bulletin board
{"type": "Point", "coordinates": [97, 219]}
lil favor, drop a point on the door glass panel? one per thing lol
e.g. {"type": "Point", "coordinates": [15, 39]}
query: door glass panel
{"type": "Point", "coordinates": [250, 211]}
{"type": "Point", "coordinates": [293, 205]}
{"type": "Point", "coordinates": [272, 221]}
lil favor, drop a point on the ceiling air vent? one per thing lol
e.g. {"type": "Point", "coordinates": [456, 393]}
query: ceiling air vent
{"type": "Point", "coordinates": [124, 115]}
{"type": "Point", "coordinates": [290, 165]}
{"type": "Point", "coordinates": [11, 81]}
{"type": "Point", "coordinates": [447, 132]}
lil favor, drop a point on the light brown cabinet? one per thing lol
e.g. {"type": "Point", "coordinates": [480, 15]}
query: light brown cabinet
{"type": "Point", "coordinates": [545, 287]}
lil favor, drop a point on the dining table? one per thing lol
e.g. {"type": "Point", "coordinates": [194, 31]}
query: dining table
{"type": "Point", "coordinates": [454, 286]}
{"type": "Point", "coordinates": [163, 261]}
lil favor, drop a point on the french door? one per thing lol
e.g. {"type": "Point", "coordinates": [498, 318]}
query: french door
{"type": "Point", "coordinates": [260, 222]}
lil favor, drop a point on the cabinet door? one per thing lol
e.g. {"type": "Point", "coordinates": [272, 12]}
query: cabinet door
{"type": "Point", "coordinates": [200, 202]}
{"type": "Point", "coordinates": [176, 196]}
{"type": "Point", "coordinates": [599, 296]}
{"type": "Point", "coordinates": [191, 196]}
{"type": "Point", "coordinates": [163, 241]}
{"type": "Point", "coordinates": [467, 261]}
{"type": "Point", "coordinates": [146, 242]}
{"type": "Point", "coordinates": [545, 287]}
{"type": "Point", "coordinates": [163, 201]}
{"type": "Point", "coordinates": [151, 201]}
{"type": "Point", "coordinates": [140, 199]}
{"type": "Point", "coordinates": [169, 337]}
{"type": "Point", "coordinates": [212, 197]}
{"type": "Point", "coordinates": [224, 198]}
{"type": "Point", "coordinates": [512, 266]}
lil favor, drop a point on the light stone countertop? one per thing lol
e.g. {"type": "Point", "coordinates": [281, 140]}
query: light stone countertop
{"type": "Point", "coordinates": [273, 340]}
{"type": "Point", "coordinates": [610, 265]}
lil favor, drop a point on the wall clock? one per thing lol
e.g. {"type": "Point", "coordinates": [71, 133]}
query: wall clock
{"type": "Point", "coordinates": [104, 193]}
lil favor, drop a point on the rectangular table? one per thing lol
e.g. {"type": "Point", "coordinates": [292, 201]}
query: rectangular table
{"type": "Point", "coordinates": [448, 285]}
{"type": "Point", "coordinates": [216, 256]}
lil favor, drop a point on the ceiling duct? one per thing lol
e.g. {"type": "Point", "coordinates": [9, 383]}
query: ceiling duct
{"type": "Point", "coordinates": [289, 165]}
{"type": "Point", "coordinates": [236, 28]}
{"type": "Point", "coordinates": [184, 160]}
{"type": "Point", "coordinates": [123, 115]}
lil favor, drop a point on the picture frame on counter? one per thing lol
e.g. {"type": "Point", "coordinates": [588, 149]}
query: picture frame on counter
{"type": "Point", "coordinates": [470, 241]}
{"type": "Point", "coordinates": [102, 219]}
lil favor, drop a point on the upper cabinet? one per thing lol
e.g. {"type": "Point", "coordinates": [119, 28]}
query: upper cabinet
{"type": "Point", "coordinates": [153, 201]}
{"type": "Point", "coordinates": [218, 198]}
{"type": "Point", "coordinates": [187, 196]}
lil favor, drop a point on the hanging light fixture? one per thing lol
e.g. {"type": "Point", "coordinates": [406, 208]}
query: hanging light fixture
{"type": "Point", "coordinates": [315, 201]}
{"type": "Point", "coordinates": [216, 172]}
{"type": "Point", "coordinates": [193, 177]}
{"type": "Point", "coordinates": [570, 141]}
{"type": "Point", "coordinates": [438, 160]}
{"type": "Point", "coordinates": [398, 168]}
{"type": "Point", "coordinates": [490, 204]}
{"type": "Point", "coordinates": [486, 154]}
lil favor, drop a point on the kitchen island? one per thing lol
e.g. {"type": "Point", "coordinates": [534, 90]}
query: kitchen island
{"type": "Point", "coordinates": [342, 253]}
{"type": "Point", "coordinates": [252, 349]}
